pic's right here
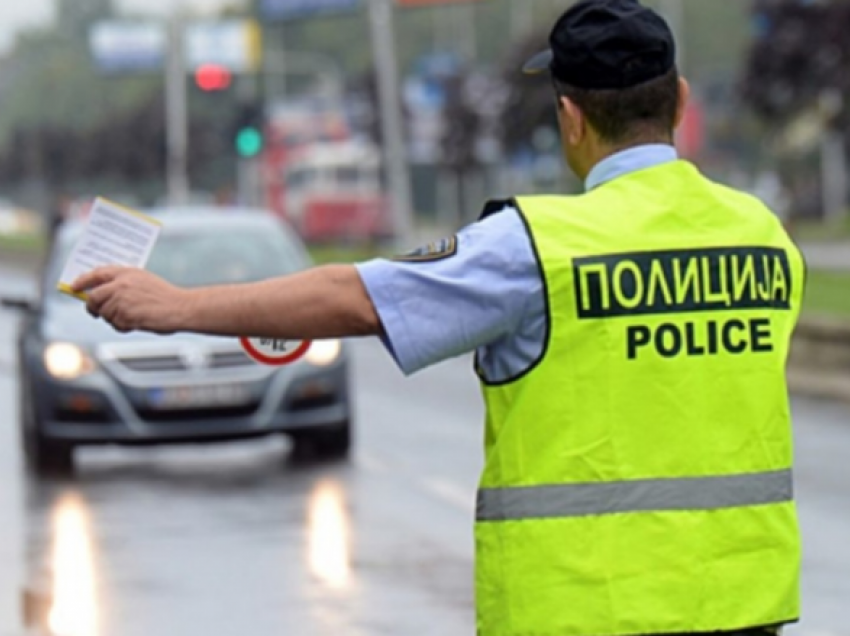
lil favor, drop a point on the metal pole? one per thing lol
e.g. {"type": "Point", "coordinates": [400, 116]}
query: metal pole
{"type": "Point", "coordinates": [834, 170]}
{"type": "Point", "coordinates": [176, 118]}
{"type": "Point", "coordinates": [395, 155]}
{"type": "Point", "coordinates": [249, 183]}
{"type": "Point", "coordinates": [834, 179]}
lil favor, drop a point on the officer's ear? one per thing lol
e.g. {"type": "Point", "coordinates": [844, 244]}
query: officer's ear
{"type": "Point", "coordinates": [684, 97]}
{"type": "Point", "coordinates": [572, 120]}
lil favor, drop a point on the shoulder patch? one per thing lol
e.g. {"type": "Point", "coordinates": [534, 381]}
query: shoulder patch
{"type": "Point", "coordinates": [436, 251]}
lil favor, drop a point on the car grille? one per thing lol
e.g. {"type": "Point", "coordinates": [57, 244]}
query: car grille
{"type": "Point", "coordinates": [196, 414]}
{"type": "Point", "coordinates": [165, 363]}
{"type": "Point", "coordinates": [231, 360]}
{"type": "Point", "coordinates": [153, 364]}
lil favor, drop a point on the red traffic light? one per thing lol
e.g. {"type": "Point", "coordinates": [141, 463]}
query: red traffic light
{"type": "Point", "coordinates": [212, 77]}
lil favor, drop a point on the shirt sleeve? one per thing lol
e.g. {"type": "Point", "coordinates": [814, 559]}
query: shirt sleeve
{"type": "Point", "coordinates": [433, 310]}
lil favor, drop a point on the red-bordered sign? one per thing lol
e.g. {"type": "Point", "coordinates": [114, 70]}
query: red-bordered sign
{"type": "Point", "coordinates": [275, 353]}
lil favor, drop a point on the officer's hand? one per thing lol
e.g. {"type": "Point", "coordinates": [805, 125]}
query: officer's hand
{"type": "Point", "coordinates": [133, 299]}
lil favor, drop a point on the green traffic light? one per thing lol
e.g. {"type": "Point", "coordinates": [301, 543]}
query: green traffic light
{"type": "Point", "coordinates": [249, 142]}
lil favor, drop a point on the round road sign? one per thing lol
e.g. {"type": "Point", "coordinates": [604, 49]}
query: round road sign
{"type": "Point", "coordinates": [275, 353]}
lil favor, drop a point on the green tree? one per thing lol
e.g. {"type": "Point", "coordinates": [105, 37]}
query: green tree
{"type": "Point", "coordinates": [801, 52]}
{"type": "Point", "coordinates": [74, 17]}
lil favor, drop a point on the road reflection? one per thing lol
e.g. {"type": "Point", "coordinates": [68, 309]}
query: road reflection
{"type": "Point", "coordinates": [164, 541]}
{"type": "Point", "coordinates": [73, 610]}
{"type": "Point", "coordinates": [329, 536]}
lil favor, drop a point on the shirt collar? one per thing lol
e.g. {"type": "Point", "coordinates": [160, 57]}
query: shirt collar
{"type": "Point", "coordinates": [628, 161]}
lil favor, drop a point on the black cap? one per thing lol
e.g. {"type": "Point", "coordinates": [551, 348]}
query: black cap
{"type": "Point", "coordinates": [607, 44]}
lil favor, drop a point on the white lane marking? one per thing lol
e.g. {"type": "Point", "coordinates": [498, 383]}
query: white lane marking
{"type": "Point", "coordinates": [448, 492]}
{"type": "Point", "coordinates": [802, 631]}
{"type": "Point", "coordinates": [371, 463]}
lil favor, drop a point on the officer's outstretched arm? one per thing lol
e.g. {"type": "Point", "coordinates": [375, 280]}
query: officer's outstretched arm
{"type": "Point", "coordinates": [324, 302]}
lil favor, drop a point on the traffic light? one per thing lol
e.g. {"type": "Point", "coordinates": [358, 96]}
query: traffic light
{"type": "Point", "coordinates": [248, 126]}
{"type": "Point", "coordinates": [249, 142]}
{"type": "Point", "coordinates": [213, 77]}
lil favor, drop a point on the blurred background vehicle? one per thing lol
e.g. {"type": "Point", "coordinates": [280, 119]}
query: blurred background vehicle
{"type": "Point", "coordinates": [331, 192]}
{"type": "Point", "coordinates": [81, 383]}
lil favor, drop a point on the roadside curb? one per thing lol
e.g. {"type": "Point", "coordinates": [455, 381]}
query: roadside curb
{"type": "Point", "coordinates": [835, 388]}
{"type": "Point", "coordinates": [819, 365]}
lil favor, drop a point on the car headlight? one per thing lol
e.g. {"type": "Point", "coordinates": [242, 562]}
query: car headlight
{"type": "Point", "coordinates": [324, 353]}
{"type": "Point", "coordinates": [66, 361]}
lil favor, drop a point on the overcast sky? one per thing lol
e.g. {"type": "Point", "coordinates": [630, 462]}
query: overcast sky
{"type": "Point", "coordinates": [20, 14]}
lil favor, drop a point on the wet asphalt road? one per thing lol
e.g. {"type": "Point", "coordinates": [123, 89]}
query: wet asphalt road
{"type": "Point", "coordinates": [241, 539]}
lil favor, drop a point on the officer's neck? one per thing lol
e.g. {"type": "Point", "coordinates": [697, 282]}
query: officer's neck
{"type": "Point", "coordinates": [596, 151]}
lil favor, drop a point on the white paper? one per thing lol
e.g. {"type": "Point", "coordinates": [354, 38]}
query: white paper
{"type": "Point", "coordinates": [113, 236]}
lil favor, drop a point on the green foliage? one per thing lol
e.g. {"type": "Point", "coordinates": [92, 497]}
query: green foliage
{"type": "Point", "coordinates": [714, 37]}
{"type": "Point", "coordinates": [27, 243]}
{"type": "Point", "coordinates": [801, 51]}
{"type": "Point", "coordinates": [52, 82]}
{"type": "Point", "coordinates": [74, 17]}
{"type": "Point", "coordinates": [55, 108]}
{"type": "Point", "coordinates": [62, 121]}
{"type": "Point", "coordinates": [531, 105]}
{"type": "Point", "coordinates": [828, 293]}
{"type": "Point", "coordinates": [810, 231]}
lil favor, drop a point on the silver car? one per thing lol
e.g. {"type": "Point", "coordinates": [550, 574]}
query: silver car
{"type": "Point", "coordinates": [82, 383]}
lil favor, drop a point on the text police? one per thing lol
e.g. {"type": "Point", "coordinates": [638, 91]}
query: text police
{"type": "Point", "coordinates": [679, 288]}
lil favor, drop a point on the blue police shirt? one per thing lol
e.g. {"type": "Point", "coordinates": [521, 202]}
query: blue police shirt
{"type": "Point", "coordinates": [485, 295]}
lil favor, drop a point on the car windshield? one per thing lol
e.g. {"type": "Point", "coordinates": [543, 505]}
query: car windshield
{"type": "Point", "coordinates": [213, 256]}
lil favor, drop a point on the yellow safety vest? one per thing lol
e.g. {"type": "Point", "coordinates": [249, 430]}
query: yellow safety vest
{"type": "Point", "coordinates": [638, 478]}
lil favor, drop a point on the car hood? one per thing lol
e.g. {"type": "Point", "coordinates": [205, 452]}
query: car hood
{"type": "Point", "coordinates": [68, 321]}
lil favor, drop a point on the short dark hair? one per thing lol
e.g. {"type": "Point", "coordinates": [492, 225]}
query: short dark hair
{"type": "Point", "coordinates": [642, 113]}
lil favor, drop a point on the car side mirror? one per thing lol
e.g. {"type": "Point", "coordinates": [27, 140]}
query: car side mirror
{"type": "Point", "coordinates": [19, 304]}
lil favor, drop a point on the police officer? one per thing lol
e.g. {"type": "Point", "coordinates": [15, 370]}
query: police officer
{"type": "Point", "coordinates": [631, 342]}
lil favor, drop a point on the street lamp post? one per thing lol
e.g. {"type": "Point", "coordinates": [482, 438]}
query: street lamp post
{"type": "Point", "coordinates": [176, 117]}
{"type": "Point", "coordinates": [395, 155]}
{"type": "Point", "coordinates": [833, 159]}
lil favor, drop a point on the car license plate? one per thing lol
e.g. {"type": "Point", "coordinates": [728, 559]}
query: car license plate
{"type": "Point", "coordinates": [207, 396]}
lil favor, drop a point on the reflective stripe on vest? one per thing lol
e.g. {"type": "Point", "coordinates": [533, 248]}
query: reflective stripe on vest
{"type": "Point", "coordinates": [650, 495]}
